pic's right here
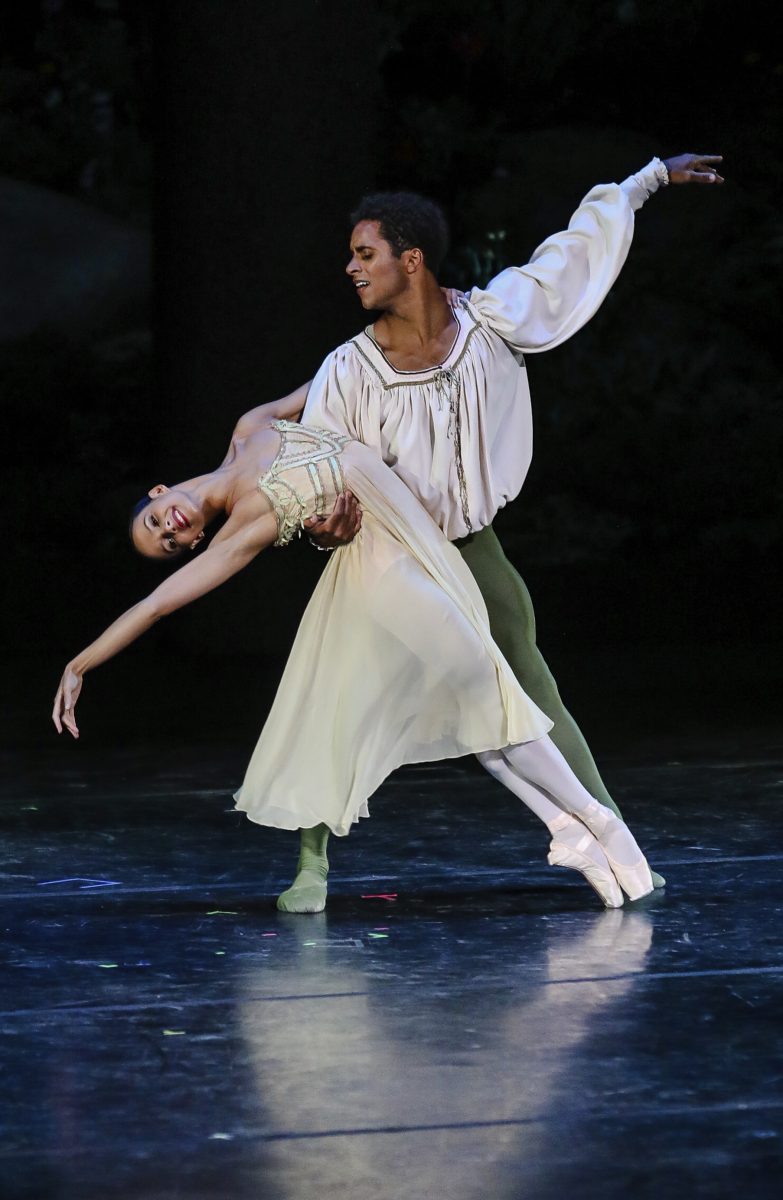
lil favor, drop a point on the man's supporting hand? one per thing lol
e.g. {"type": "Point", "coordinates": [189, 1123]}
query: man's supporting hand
{"type": "Point", "coordinates": [693, 168]}
{"type": "Point", "coordinates": [340, 527]}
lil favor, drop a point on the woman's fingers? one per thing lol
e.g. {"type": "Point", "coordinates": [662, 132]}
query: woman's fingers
{"type": "Point", "coordinates": [69, 721]}
{"type": "Point", "coordinates": [453, 296]}
{"type": "Point", "coordinates": [65, 703]}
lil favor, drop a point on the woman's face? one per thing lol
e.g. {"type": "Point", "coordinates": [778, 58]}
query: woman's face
{"type": "Point", "coordinates": [170, 523]}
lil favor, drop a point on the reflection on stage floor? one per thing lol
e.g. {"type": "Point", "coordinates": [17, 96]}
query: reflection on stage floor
{"type": "Point", "coordinates": [463, 1023]}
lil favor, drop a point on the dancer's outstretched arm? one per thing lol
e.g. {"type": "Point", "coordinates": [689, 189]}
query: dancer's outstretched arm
{"type": "Point", "coordinates": [538, 306]}
{"type": "Point", "coordinates": [227, 554]}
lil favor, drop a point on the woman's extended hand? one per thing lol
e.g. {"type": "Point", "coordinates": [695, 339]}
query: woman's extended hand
{"type": "Point", "coordinates": [693, 168]}
{"type": "Point", "coordinates": [65, 701]}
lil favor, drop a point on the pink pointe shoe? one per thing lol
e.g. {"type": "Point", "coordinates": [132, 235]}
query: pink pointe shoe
{"type": "Point", "coordinates": [575, 847]}
{"type": "Point", "coordinates": [621, 849]}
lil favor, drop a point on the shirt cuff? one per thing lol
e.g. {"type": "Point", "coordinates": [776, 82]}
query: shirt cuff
{"type": "Point", "coordinates": [640, 187]}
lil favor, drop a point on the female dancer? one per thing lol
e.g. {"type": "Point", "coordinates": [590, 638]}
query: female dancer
{"type": "Point", "coordinates": [393, 662]}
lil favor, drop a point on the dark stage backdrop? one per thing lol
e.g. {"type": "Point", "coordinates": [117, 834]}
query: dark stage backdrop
{"type": "Point", "coordinates": [175, 187]}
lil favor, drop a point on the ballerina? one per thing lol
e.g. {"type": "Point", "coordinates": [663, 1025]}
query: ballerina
{"type": "Point", "coordinates": [418, 678]}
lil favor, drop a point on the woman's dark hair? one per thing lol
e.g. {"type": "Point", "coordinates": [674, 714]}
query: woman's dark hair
{"type": "Point", "coordinates": [138, 507]}
{"type": "Point", "coordinates": [407, 221]}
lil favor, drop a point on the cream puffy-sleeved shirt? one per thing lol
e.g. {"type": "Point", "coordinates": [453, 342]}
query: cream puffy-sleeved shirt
{"type": "Point", "coordinates": [459, 433]}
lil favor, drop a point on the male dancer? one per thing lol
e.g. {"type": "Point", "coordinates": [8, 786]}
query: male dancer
{"type": "Point", "coordinates": [441, 392]}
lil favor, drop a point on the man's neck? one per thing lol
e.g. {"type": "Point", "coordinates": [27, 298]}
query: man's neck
{"type": "Point", "coordinates": [417, 331]}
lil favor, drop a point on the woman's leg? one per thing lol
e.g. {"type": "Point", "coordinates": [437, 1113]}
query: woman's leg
{"type": "Point", "coordinates": [541, 764]}
{"type": "Point", "coordinates": [536, 800]}
{"type": "Point", "coordinates": [572, 845]}
{"type": "Point", "coordinates": [513, 625]}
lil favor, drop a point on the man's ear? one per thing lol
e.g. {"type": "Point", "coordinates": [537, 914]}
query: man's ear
{"type": "Point", "coordinates": [198, 538]}
{"type": "Point", "coordinates": [159, 489]}
{"type": "Point", "coordinates": [414, 260]}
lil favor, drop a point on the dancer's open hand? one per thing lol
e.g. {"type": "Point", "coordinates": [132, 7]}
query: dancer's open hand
{"type": "Point", "coordinates": [65, 701]}
{"type": "Point", "coordinates": [340, 527]}
{"type": "Point", "coordinates": [694, 168]}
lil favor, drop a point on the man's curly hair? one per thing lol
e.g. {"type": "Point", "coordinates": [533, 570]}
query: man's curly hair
{"type": "Point", "coordinates": [407, 221]}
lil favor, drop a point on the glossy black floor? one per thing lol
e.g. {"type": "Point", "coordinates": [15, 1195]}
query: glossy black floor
{"type": "Point", "coordinates": [463, 1023]}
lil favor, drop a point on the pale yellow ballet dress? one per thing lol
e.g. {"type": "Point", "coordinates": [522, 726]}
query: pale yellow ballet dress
{"type": "Point", "coordinates": [393, 661]}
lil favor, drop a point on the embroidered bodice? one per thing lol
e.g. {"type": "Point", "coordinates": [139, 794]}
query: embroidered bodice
{"type": "Point", "coordinates": [305, 478]}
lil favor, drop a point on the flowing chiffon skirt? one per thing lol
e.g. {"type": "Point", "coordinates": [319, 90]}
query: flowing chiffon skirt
{"type": "Point", "coordinates": [393, 663]}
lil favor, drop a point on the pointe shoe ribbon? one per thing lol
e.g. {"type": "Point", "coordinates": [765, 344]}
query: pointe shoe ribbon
{"type": "Point", "coordinates": [593, 865]}
{"type": "Point", "coordinates": [634, 875]}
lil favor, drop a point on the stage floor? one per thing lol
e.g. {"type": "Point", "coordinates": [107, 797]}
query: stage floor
{"type": "Point", "coordinates": [463, 1023]}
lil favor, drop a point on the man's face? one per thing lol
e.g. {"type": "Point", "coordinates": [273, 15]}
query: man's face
{"type": "Point", "coordinates": [377, 274]}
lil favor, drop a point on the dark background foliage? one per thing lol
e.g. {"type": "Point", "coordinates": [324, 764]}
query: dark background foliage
{"type": "Point", "coordinates": [175, 184]}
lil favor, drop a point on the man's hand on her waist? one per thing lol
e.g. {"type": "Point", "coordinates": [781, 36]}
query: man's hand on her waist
{"type": "Point", "coordinates": [338, 528]}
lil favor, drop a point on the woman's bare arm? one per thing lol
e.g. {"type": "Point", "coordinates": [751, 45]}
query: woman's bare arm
{"type": "Point", "coordinates": [287, 408]}
{"type": "Point", "coordinates": [224, 558]}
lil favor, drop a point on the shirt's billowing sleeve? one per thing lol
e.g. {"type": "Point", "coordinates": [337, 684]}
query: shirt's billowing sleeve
{"type": "Point", "coordinates": [537, 307]}
{"type": "Point", "coordinates": [333, 400]}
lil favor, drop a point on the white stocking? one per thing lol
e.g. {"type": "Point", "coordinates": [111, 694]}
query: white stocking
{"type": "Point", "coordinates": [567, 832]}
{"type": "Point", "coordinates": [537, 801]}
{"type": "Point", "coordinates": [540, 764]}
